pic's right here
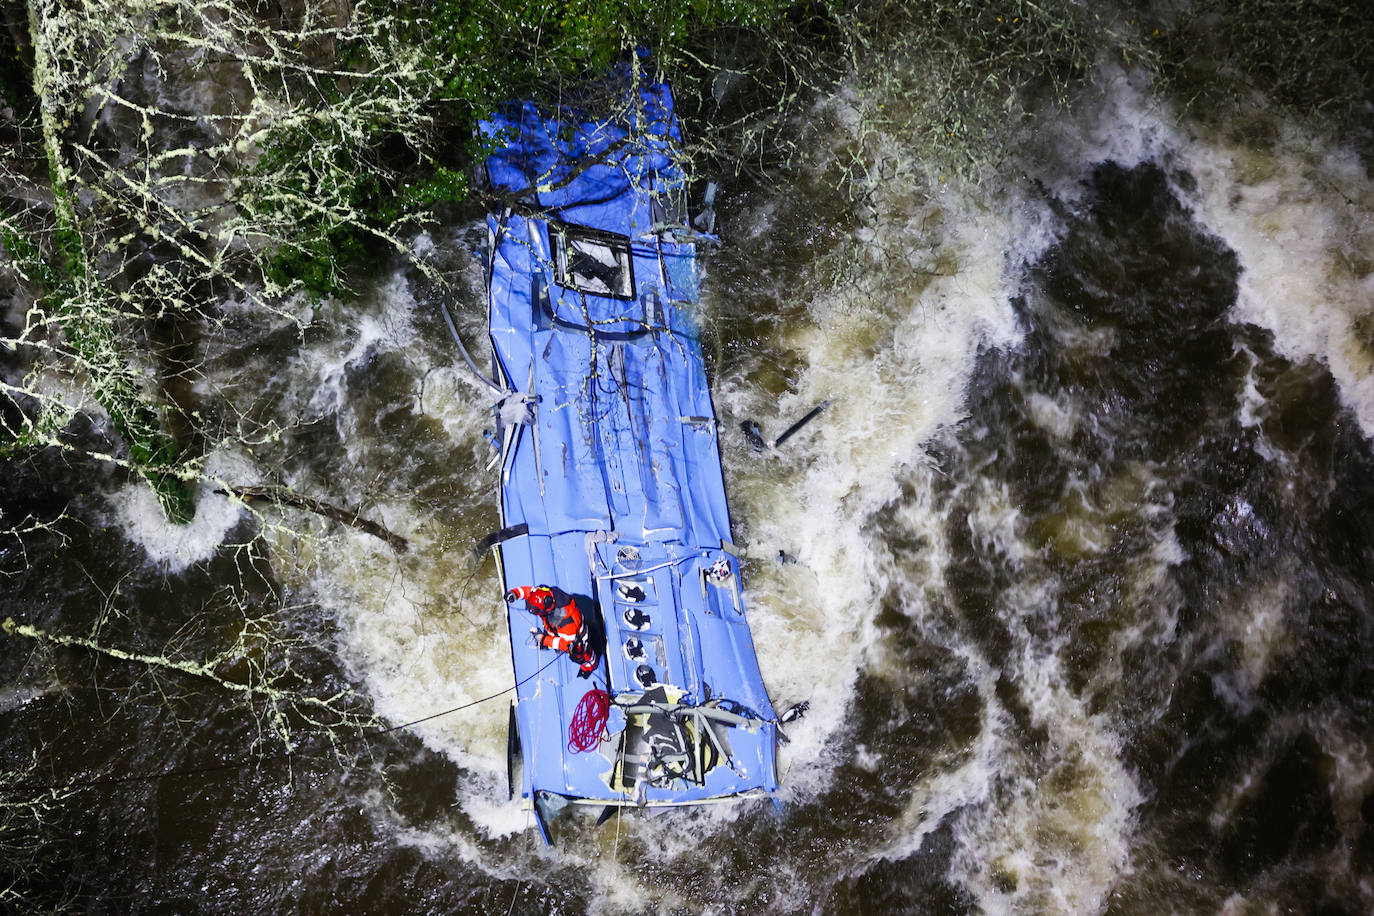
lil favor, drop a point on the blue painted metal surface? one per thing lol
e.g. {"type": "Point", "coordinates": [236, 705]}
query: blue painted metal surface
{"type": "Point", "coordinates": [610, 459]}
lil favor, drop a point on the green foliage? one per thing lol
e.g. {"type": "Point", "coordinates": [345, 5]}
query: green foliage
{"type": "Point", "coordinates": [530, 48]}
{"type": "Point", "coordinates": [444, 185]}
{"type": "Point", "coordinates": [347, 198]}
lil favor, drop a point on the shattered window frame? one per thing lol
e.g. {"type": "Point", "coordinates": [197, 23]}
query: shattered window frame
{"type": "Point", "coordinates": [585, 245]}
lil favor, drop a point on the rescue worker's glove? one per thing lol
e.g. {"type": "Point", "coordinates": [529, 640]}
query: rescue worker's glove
{"type": "Point", "coordinates": [512, 597]}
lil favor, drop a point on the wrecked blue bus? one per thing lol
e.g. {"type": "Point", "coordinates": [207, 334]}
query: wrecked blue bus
{"type": "Point", "coordinates": [637, 680]}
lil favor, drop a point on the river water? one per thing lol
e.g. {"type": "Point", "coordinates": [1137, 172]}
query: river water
{"type": "Point", "coordinates": [1075, 572]}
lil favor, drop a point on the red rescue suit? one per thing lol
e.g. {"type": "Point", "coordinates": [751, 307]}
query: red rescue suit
{"type": "Point", "coordinates": [565, 628]}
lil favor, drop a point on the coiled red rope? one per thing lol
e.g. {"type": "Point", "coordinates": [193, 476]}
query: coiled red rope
{"type": "Point", "coordinates": [584, 731]}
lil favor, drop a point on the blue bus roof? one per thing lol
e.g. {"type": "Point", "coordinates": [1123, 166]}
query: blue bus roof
{"type": "Point", "coordinates": [610, 464]}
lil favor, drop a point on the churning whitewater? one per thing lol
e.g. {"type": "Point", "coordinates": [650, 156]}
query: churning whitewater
{"type": "Point", "coordinates": [1073, 571]}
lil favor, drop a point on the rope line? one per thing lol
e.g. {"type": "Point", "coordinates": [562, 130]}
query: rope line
{"type": "Point", "coordinates": [250, 761]}
{"type": "Point", "coordinates": [584, 731]}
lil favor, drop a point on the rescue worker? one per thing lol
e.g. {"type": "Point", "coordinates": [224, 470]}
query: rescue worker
{"type": "Point", "coordinates": [565, 627]}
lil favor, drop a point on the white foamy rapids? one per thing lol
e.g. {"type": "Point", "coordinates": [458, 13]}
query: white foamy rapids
{"type": "Point", "coordinates": [967, 784]}
{"type": "Point", "coordinates": [1253, 626]}
{"type": "Point", "coordinates": [1045, 832]}
{"type": "Point", "coordinates": [1050, 835]}
{"type": "Point", "coordinates": [422, 629]}
{"type": "Point", "coordinates": [1055, 837]}
{"type": "Point", "coordinates": [1115, 120]}
{"type": "Point", "coordinates": [1300, 216]}
{"type": "Point", "coordinates": [427, 635]}
{"type": "Point", "coordinates": [1049, 832]}
{"type": "Point", "coordinates": [1352, 779]}
{"type": "Point", "coordinates": [373, 331]}
{"type": "Point", "coordinates": [893, 352]}
{"type": "Point", "coordinates": [138, 514]}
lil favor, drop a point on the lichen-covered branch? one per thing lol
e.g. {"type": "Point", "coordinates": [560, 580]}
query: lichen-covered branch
{"type": "Point", "coordinates": [321, 714]}
{"type": "Point", "coordinates": [24, 813]}
{"type": "Point", "coordinates": [130, 211]}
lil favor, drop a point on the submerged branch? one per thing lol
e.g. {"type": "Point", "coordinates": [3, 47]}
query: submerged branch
{"type": "Point", "coordinates": [283, 496]}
